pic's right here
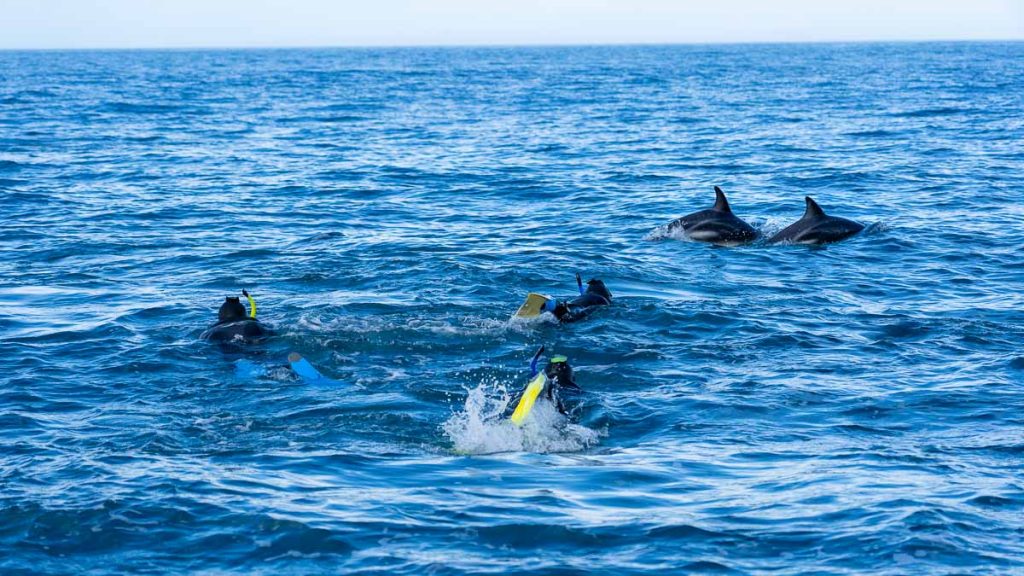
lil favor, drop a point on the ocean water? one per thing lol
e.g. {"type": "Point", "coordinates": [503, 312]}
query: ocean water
{"type": "Point", "coordinates": [855, 408]}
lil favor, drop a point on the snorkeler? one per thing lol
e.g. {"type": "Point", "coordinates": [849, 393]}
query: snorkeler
{"type": "Point", "coordinates": [234, 324]}
{"type": "Point", "coordinates": [596, 294]}
{"type": "Point", "coordinates": [554, 383]}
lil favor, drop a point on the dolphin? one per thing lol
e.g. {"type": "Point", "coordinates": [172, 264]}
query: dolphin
{"type": "Point", "coordinates": [816, 227]}
{"type": "Point", "coordinates": [717, 225]}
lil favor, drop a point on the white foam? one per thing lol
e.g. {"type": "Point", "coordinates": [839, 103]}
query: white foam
{"type": "Point", "coordinates": [520, 324]}
{"type": "Point", "coordinates": [455, 326]}
{"type": "Point", "coordinates": [481, 428]}
{"type": "Point", "coordinates": [771, 225]}
{"type": "Point", "coordinates": [665, 232]}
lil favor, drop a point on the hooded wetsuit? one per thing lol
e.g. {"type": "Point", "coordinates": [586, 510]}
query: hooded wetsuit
{"type": "Point", "coordinates": [578, 308]}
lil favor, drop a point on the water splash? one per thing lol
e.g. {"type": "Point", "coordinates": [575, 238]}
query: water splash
{"type": "Point", "coordinates": [482, 428]}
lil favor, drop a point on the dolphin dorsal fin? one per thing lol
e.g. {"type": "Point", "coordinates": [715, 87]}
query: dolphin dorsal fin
{"type": "Point", "coordinates": [721, 204]}
{"type": "Point", "coordinates": [813, 210]}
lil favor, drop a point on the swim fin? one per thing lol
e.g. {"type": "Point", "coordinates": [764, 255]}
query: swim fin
{"type": "Point", "coordinates": [248, 370]}
{"type": "Point", "coordinates": [533, 389]}
{"type": "Point", "coordinates": [533, 306]}
{"type": "Point", "coordinates": [310, 375]}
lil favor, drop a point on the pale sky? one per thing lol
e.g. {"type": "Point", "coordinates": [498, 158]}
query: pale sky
{"type": "Point", "coordinates": [269, 23]}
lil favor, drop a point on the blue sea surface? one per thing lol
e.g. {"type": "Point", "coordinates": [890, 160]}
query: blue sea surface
{"type": "Point", "coordinates": [853, 408]}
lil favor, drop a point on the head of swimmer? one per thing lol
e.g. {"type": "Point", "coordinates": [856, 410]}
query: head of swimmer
{"type": "Point", "coordinates": [231, 310]}
{"type": "Point", "coordinates": [560, 374]}
{"type": "Point", "coordinates": [595, 286]}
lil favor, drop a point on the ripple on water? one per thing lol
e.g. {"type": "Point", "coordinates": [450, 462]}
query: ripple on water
{"type": "Point", "coordinates": [788, 409]}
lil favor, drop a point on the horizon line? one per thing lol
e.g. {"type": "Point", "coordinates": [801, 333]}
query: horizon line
{"type": "Point", "coordinates": [199, 48]}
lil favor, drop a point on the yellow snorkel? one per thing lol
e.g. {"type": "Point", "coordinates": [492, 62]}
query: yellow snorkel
{"type": "Point", "coordinates": [252, 305]}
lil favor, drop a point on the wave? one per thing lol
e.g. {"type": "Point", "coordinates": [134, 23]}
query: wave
{"type": "Point", "coordinates": [932, 112]}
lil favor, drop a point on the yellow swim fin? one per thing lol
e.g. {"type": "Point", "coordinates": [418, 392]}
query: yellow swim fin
{"type": "Point", "coordinates": [533, 389]}
{"type": "Point", "coordinates": [533, 306]}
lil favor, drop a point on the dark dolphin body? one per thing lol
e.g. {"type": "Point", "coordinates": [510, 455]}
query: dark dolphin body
{"type": "Point", "coordinates": [233, 325]}
{"type": "Point", "coordinates": [816, 227]}
{"type": "Point", "coordinates": [717, 225]}
{"type": "Point", "coordinates": [597, 294]}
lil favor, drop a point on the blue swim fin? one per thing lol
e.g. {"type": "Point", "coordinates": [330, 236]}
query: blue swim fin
{"type": "Point", "coordinates": [310, 375]}
{"type": "Point", "coordinates": [248, 370]}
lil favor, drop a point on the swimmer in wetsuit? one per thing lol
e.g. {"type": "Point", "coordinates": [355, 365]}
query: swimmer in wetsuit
{"type": "Point", "coordinates": [554, 384]}
{"type": "Point", "coordinates": [234, 324]}
{"type": "Point", "coordinates": [595, 295]}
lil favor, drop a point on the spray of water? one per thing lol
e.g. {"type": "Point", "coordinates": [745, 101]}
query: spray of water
{"type": "Point", "coordinates": [481, 428]}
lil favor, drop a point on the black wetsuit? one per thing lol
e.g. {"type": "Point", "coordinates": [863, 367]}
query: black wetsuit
{"type": "Point", "coordinates": [233, 324]}
{"type": "Point", "coordinates": [246, 329]}
{"type": "Point", "coordinates": [560, 383]}
{"type": "Point", "coordinates": [578, 308]}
